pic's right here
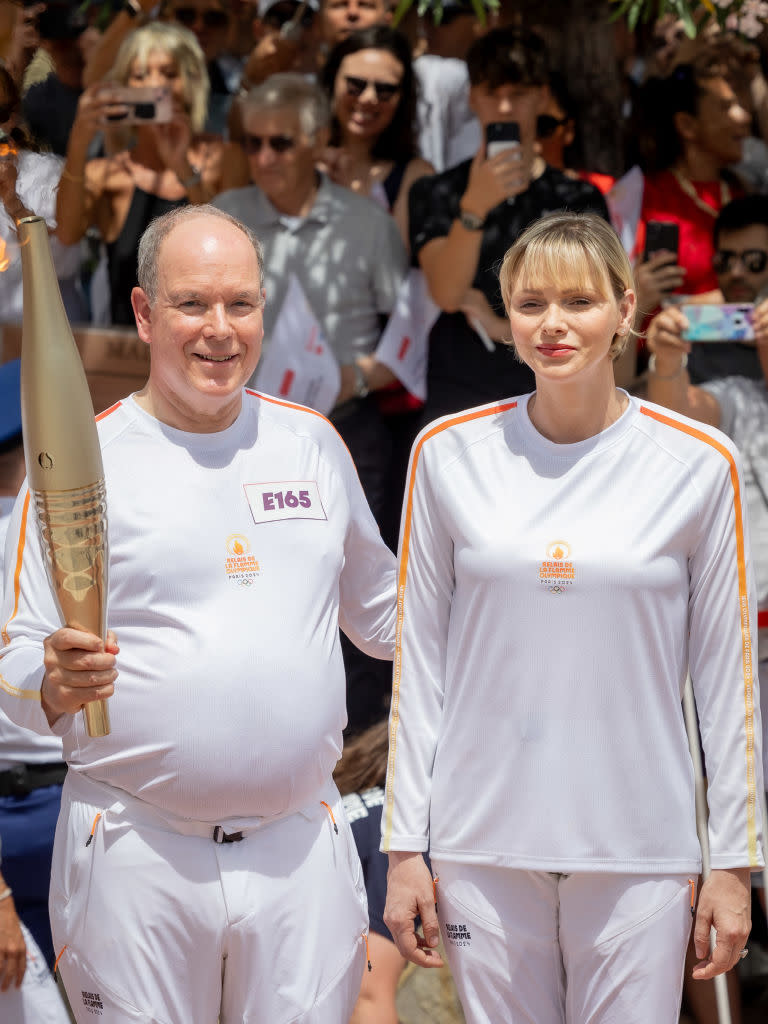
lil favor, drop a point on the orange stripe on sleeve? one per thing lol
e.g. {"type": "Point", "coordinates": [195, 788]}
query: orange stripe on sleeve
{"type": "Point", "coordinates": [746, 636]}
{"type": "Point", "coordinates": [17, 571]}
{"type": "Point", "coordinates": [401, 580]}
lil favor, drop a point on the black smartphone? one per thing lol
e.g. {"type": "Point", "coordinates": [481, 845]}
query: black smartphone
{"type": "Point", "coordinates": [501, 135]}
{"type": "Point", "coordinates": [661, 234]}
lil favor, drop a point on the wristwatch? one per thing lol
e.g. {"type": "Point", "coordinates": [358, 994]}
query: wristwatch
{"type": "Point", "coordinates": [470, 221]}
{"type": "Point", "coordinates": [132, 8]}
{"type": "Point", "coordinates": [361, 384]}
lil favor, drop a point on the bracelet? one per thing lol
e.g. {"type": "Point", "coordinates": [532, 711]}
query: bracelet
{"type": "Point", "coordinates": [6, 893]}
{"type": "Point", "coordinates": [667, 376]}
{"type": "Point", "coordinates": [72, 177]}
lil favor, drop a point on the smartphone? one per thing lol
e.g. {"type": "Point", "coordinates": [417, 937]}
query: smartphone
{"type": "Point", "coordinates": [151, 104]}
{"type": "Point", "coordinates": [661, 234]}
{"type": "Point", "coordinates": [729, 322]}
{"type": "Point", "coordinates": [501, 135]}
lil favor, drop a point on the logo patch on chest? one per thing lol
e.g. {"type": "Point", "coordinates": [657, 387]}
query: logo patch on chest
{"type": "Point", "coordinates": [289, 499]}
{"type": "Point", "coordinates": [241, 566]}
{"type": "Point", "coordinates": [557, 572]}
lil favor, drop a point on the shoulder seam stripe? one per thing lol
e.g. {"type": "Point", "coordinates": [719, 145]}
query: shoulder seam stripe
{"type": "Point", "coordinates": [301, 408]}
{"type": "Point", "coordinates": [17, 570]}
{"type": "Point", "coordinates": [746, 641]}
{"type": "Point", "coordinates": [402, 575]}
{"type": "Point", "coordinates": [107, 412]}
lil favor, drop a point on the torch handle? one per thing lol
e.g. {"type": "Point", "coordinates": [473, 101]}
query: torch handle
{"type": "Point", "coordinates": [73, 529]}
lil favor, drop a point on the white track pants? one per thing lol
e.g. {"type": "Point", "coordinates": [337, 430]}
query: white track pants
{"type": "Point", "coordinates": [169, 928]}
{"type": "Point", "coordinates": [530, 947]}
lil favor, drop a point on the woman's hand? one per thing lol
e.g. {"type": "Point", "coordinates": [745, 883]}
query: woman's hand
{"type": "Point", "coordinates": [476, 307]}
{"type": "Point", "coordinates": [411, 894]}
{"type": "Point", "coordinates": [725, 905]}
{"type": "Point", "coordinates": [655, 278]}
{"type": "Point", "coordinates": [97, 108]}
{"type": "Point", "coordinates": [13, 949]}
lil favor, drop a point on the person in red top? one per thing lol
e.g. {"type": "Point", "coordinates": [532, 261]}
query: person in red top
{"type": "Point", "coordinates": [696, 132]}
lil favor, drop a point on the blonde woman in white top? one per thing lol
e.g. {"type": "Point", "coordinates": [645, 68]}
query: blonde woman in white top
{"type": "Point", "coordinates": [565, 557]}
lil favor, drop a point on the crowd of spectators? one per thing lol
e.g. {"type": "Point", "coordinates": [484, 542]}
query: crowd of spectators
{"type": "Point", "coordinates": [357, 152]}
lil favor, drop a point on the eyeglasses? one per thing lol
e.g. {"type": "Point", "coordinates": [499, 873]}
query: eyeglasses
{"type": "Point", "coordinates": [277, 143]}
{"type": "Point", "coordinates": [212, 18]}
{"type": "Point", "coordinates": [385, 91]}
{"type": "Point", "coordinates": [753, 260]}
{"type": "Point", "coordinates": [547, 125]}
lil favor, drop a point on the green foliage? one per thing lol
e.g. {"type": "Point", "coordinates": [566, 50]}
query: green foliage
{"type": "Point", "coordinates": [747, 17]}
{"type": "Point", "coordinates": [435, 8]}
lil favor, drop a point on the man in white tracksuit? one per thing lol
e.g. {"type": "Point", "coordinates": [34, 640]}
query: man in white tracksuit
{"type": "Point", "coordinates": [203, 867]}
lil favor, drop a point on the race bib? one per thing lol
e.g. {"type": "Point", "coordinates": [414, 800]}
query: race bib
{"type": "Point", "coordinates": [290, 499]}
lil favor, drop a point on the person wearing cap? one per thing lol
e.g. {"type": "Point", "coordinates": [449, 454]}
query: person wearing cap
{"type": "Point", "coordinates": [31, 776]}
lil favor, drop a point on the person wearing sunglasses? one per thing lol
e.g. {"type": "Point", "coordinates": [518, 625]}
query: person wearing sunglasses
{"type": "Point", "coordinates": [158, 164]}
{"type": "Point", "coordinates": [370, 83]}
{"type": "Point", "coordinates": [692, 130]}
{"type": "Point", "coordinates": [348, 257]}
{"type": "Point", "coordinates": [736, 400]}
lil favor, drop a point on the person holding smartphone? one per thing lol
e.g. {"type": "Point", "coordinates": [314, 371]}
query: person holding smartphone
{"type": "Point", "coordinates": [169, 164]}
{"type": "Point", "coordinates": [463, 220]}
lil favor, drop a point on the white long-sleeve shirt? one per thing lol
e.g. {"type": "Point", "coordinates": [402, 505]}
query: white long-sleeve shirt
{"type": "Point", "coordinates": [551, 598]}
{"type": "Point", "coordinates": [233, 558]}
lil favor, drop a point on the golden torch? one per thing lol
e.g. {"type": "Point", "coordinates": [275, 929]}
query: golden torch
{"type": "Point", "coordinates": [62, 453]}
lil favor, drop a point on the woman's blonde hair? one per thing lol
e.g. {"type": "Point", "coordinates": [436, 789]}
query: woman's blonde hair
{"type": "Point", "coordinates": [575, 249]}
{"type": "Point", "coordinates": [181, 45]}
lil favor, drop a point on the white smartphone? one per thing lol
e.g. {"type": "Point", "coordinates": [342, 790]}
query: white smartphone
{"type": "Point", "coordinates": [151, 104]}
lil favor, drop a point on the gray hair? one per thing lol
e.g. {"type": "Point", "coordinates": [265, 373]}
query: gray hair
{"type": "Point", "coordinates": [161, 227]}
{"type": "Point", "coordinates": [291, 91]}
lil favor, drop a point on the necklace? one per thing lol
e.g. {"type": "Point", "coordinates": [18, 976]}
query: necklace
{"type": "Point", "coordinates": [687, 187]}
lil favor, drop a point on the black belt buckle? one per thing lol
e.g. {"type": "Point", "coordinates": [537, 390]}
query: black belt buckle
{"type": "Point", "coordinates": [220, 836]}
{"type": "Point", "coordinates": [19, 780]}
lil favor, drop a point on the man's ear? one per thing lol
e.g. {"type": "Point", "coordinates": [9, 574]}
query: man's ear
{"type": "Point", "coordinates": [142, 310]}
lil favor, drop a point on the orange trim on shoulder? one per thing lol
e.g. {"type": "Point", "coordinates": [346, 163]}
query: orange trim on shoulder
{"type": "Point", "coordinates": [107, 412]}
{"type": "Point", "coordinates": [299, 408]}
{"type": "Point", "coordinates": [401, 580]}
{"type": "Point", "coordinates": [17, 570]}
{"type": "Point", "coordinates": [746, 635]}
{"type": "Point", "coordinates": [288, 405]}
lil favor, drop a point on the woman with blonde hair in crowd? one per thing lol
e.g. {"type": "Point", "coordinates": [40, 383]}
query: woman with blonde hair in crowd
{"type": "Point", "coordinates": [159, 164]}
{"type": "Point", "coordinates": [566, 556]}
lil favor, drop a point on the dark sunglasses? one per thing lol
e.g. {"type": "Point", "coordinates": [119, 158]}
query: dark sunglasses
{"type": "Point", "coordinates": [753, 260]}
{"type": "Point", "coordinates": [546, 125]}
{"type": "Point", "coordinates": [277, 143]}
{"type": "Point", "coordinates": [385, 91]}
{"type": "Point", "coordinates": [211, 18]}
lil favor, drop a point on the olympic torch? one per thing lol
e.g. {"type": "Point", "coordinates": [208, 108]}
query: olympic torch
{"type": "Point", "coordinates": [62, 453]}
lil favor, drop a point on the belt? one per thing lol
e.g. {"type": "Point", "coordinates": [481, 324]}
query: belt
{"type": "Point", "coordinates": [22, 779]}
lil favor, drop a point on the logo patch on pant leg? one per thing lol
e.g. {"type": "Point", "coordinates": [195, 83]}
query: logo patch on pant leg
{"type": "Point", "coordinates": [458, 934]}
{"type": "Point", "coordinates": [92, 1002]}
